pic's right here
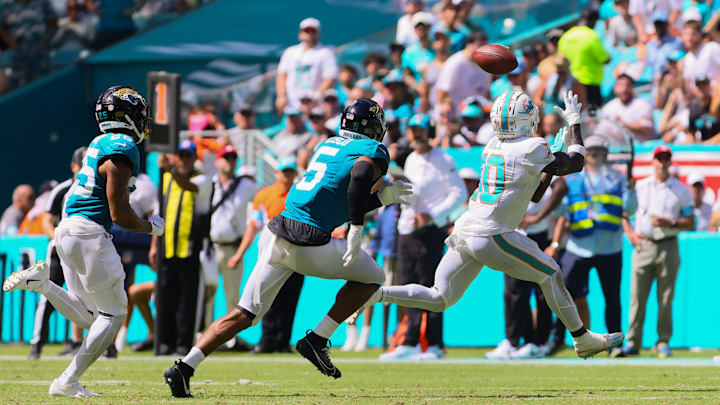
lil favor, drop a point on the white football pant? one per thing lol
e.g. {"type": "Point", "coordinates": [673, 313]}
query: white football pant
{"type": "Point", "coordinates": [278, 259]}
{"type": "Point", "coordinates": [512, 253]}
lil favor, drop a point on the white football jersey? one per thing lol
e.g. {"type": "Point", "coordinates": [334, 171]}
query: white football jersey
{"type": "Point", "coordinates": [509, 175]}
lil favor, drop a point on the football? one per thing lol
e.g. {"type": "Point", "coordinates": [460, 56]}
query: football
{"type": "Point", "coordinates": [495, 58]}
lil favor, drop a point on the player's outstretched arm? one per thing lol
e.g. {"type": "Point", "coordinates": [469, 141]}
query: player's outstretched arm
{"type": "Point", "coordinates": [117, 173]}
{"type": "Point", "coordinates": [573, 161]}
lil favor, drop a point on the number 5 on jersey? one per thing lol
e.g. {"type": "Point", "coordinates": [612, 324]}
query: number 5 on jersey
{"type": "Point", "coordinates": [492, 179]}
{"type": "Point", "coordinates": [316, 169]}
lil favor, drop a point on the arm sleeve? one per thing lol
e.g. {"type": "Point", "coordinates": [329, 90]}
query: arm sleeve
{"type": "Point", "coordinates": [563, 208]}
{"type": "Point", "coordinates": [445, 79]}
{"type": "Point", "coordinates": [358, 194]}
{"type": "Point", "coordinates": [283, 66]}
{"type": "Point", "coordinates": [539, 155]}
{"type": "Point", "coordinates": [329, 67]}
{"type": "Point", "coordinates": [686, 203]}
{"type": "Point", "coordinates": [381, 156]}
{"type": "Point", "coordinates": [205, 186]}
{"type": "Point", "coordinates": [645, 115]}
{"type": "Point", "coordinates": [455, 194]}
{"type": "Point", "coordinates": [599, 51]}
{"type": "Point", "coordinates": [636, 7]}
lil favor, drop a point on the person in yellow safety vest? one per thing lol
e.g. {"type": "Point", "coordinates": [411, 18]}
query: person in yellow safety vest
{"type": "Point", "coordinates": [596, 201]}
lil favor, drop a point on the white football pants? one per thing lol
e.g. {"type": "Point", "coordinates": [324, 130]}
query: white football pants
{"type": "Point", "coordinates": [278, 259]}
{"type": "Point", "coordinates": [95, 298]}
{"type": "Point", "coordinates": [512, 253]}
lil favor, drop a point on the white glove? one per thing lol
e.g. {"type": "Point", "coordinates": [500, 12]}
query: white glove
{"type": "Point", "coordinates": [394, 192]}
{"type": "Point", "coordinates": [158, 225]}
{"type": "Point", "coordinates": [354, 237]}
{"type": "Point", "coordinates": [571, 113]}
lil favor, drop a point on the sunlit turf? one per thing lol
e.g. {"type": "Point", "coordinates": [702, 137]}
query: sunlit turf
{"type": "Point", "coordinates": [227, 378]}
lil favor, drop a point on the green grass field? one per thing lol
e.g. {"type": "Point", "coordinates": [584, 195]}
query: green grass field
{"type": "Point", "coordinates": [464, 377]}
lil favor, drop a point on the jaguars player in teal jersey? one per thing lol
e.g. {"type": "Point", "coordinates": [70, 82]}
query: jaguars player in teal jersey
{"type": "Point", "coordinates": [95, 298]}
{"type": "Point", "coordinates": [335, 189]}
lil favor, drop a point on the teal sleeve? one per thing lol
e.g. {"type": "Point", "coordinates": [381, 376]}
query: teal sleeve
{"type": "Point", "coordinates": [124, 146]}
{"type": "Point", "coordinates": [630, 202]}
{"type": "Point", "coordinates": [405, 61]}
{"type": "Point", "coordinates": [381, 152]}
{"type": "Point", "coordinates": [563, 208]}
{"type": "Point", "coordinates": [686, 211]}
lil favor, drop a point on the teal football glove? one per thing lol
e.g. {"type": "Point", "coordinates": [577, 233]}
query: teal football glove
{"type": "Point", "coordinates": [561, 140]}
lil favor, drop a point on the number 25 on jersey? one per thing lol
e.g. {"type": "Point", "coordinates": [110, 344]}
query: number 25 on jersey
{"type": "Point", "coordinates": [492, 179]}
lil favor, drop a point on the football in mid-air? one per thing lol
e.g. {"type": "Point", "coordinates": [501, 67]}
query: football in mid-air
{"type": "Point", "coordinates": [495, 58]}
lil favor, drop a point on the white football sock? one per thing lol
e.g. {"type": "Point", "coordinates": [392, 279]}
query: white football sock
{"type": "Point", "coordinates": [363, 339]}
{"type": "Point", "coordinates": [194, 358]}
{"type": "Point", "coordinates": [121, 338]}
{"type": "Point", "coordinates": [560, 302]}
{"type": "Point", "coordinates": [101, 334]}
{"type": "Point", "coordinates": [326, 327]}
{"type": "Point", "coordinates": [68, 304]}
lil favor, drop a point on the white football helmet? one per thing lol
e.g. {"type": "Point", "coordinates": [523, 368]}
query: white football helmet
{"type": "Point", "coordinates": [514, 115]}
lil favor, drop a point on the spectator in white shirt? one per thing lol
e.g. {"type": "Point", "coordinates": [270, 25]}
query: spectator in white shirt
{"type": "Point", "coordinates": [621, 28]}
{"type": "Point", "coordinates": [701, 208]}
{"type": "Point", "coordinates": [460, 77]}
{"type": "Point", "coordinates": [642, 10]}
{"type": "Point", "coordinates": [702, 58]}
{"type": "Point", "coordinates": [405, 34]}
{"type": "Point", "coordinates": [305, 66]}
{"type": "Point", "coordinates": [665, 208]}
{"type": "Point", "coordinates": [634, 113]}
{"type": "Point", "coordinates": [227, 225]}
{"type": "Point", "coordinates": [438, 191]}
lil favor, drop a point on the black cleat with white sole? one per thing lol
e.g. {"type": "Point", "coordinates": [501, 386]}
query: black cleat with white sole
{"type": "Point", "coordinates": [317, 350]}
{"type": "Point", "coordinates": [178, 379]}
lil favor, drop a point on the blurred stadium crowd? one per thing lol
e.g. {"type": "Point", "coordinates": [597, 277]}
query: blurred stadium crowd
{"type": "Point", "coordinates": [38, 36]}
{"type": "Point", "coordinates": [429, 86]}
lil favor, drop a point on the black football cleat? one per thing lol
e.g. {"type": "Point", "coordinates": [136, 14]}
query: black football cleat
{"type": "Point", "coordinates": [317, 353]}
{"type": "Point", "coordinates": [178, 379]}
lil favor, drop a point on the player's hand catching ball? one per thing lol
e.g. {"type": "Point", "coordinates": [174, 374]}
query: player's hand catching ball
{"type": "Point", "coordinates": [394, 192]}
{"type": "Point", "coordinates": [158, 225]}
{"type": "Point", "coordinates": [353, 244]}
{"type": "Point", "coordinates": [571, 113]}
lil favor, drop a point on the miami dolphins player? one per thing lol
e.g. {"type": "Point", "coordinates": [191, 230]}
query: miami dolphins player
{"type": "Point", "coordinates": [516, 168]}
{"type": "Point", "coordinates": [95, 298]}
{"type": "Point", "coordinates": [336, 188]}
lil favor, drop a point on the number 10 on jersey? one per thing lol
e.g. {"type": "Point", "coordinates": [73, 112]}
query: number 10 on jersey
{"type": "Point", "coordinates": [492, 179]}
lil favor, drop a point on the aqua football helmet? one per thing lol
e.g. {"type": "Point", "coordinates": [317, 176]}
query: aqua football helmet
{"type": "Point", "coordinates": [123, 109]}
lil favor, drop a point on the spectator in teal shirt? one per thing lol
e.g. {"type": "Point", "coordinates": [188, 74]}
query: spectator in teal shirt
{"type": "Point", "coordinates": [457, 31]}
{"type": "Point", "coordinates": [419, 55]}
{"type": "Point", "coordinates": [398, 100]}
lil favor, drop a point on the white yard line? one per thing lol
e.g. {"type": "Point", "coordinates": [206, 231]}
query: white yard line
{"type": "Point", "coordinates": [127, 382]}
{"type": "Point", "coordinates": [642, 362]}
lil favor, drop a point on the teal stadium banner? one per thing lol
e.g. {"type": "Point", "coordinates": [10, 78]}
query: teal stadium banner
{"type": "Point", "coordinates": [477, 320]}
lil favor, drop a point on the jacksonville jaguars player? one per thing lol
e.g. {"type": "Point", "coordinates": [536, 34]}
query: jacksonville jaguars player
{"type": "Point", "coordinates": [516, 167]}
{"type": "Point", "coordinates": [95, 298]}
{"type": "Point", "coordinates": [336, 188]}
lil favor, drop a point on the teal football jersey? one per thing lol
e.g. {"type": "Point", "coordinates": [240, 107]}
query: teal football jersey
{"type": "Point", "coordinates": [87, 197]}
{"type": "Point", "coordinates": [320, 198]}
